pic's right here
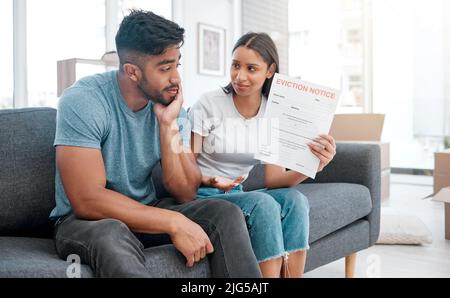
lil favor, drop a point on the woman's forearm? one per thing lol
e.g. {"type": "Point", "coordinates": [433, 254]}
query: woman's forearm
{"type": "Point", "coordinates": [285, 179]}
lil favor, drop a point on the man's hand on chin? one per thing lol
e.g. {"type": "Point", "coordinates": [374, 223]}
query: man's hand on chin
{"type": "Point", "coordinates": [167, 115]}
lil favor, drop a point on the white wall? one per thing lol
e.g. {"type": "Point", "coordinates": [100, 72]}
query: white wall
{"type": "Point", "coordinates": [219, 13]}
{"type": "Point", "coordinates": [271, 17]}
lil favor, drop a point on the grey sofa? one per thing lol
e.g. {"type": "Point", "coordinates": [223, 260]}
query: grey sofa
{"type": "Point", "coordinates": [344, 201]}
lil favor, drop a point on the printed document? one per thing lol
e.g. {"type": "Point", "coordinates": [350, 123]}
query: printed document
{"type": "Point", "coordinates": [297, 112]}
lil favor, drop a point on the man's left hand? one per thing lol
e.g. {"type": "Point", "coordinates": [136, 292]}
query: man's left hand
{"type": "Point", "coordinates": [167, 115]}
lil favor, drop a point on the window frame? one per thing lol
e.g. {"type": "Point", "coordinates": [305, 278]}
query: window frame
{"type": "Point", "coordinates": [367, 58]}
{"type": "Point", "coordinates": [20, 50]}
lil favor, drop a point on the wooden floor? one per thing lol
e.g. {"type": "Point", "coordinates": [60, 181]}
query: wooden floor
{"type": "Point", "coordinates": [391, 261]}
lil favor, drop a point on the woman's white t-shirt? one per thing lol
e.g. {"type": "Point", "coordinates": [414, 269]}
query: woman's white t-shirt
{"type": "Point", "coordinates": [229, 139]}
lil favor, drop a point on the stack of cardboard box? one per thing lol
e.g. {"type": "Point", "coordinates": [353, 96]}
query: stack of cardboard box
{"type": "Point", "coordinates": [441, 170]}
{"type": "Point", "coordinates": [365, 128]}
{"type": "Point", "coordinates": [442, 184]}
{"type": "Point", "coordinates": [385, 170]}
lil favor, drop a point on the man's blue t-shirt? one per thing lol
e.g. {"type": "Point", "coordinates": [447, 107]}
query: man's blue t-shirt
{"type": "Point", "coordinates": [93, 114]}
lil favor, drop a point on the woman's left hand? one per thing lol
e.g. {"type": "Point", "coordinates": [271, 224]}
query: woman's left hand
{"type": "Point", "coordinates": [325, 152]}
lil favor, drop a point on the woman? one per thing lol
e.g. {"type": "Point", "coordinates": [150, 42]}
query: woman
{"type": "Point", "coordinates": [224, 123]}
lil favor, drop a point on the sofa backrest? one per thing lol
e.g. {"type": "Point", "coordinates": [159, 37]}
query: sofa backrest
{"type": "Point", "coordinates": [27, 171]}
{"type": "Point", "coordinates": [255, 180]}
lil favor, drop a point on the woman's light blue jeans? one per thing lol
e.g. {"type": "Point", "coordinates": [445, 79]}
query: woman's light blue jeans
{"type": "Point", "coordinates": [277, 219]}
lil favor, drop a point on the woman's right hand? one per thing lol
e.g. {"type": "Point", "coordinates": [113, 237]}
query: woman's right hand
{"type": "Point", "coordinates": [224, 184]}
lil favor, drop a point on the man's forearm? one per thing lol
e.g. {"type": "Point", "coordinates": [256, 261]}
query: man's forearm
{"type": "Point", "coordinates": [103, 203]}
{"type": "Point", "coordinates": [180, 171]}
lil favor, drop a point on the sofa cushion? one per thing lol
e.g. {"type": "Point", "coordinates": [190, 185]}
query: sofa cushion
{"type": "Point", "coordinates": [27, 171]}
{"type": "Point", "coordinates": [166, 261]}
{"type": "Point", "coordinates": [334, 206]}
{"type": "Point", "coordinates": [344, 242]}
{"type": "Point", "coordinates": [255, 179]}
{"type": "Point", "coordinates": [32, 257]}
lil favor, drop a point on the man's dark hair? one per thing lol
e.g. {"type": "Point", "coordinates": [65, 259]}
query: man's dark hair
{"type": "Point", "coordinates": [144, 33]}
{"type": "Point", "coordinates": [264, 46]}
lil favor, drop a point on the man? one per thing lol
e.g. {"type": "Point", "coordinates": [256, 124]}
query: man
{"type": "Point", "coordinates": [112, 129]}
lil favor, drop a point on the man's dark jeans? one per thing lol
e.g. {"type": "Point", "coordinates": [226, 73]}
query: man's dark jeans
{"type": "Point", "coordinates": [112, 250]}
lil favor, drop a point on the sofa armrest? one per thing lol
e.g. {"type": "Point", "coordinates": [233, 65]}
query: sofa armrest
{"type": "Point", "coordinates": [358, 164]}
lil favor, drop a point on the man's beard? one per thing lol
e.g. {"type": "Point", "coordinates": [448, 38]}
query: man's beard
{"type": "Point", "coordinates": [155, 96]}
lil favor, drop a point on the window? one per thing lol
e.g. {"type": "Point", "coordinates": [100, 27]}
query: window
{"type": "Point", "coordinates": [326, 47]}
{"type": "Point", "coordinates": [159, 7]}
{"type": "Point", "coordinates": [6, 54]}
{"type": "Point", "coordinates": [58, 30]}
{"type": "Point", "coordinates": [354, 36]}
{"type": "Point", "coordinates": [410, 76]}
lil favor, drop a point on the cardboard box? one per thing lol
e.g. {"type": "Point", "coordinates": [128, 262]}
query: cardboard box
{"type": "Point", "coordinates": [357, 127]}
{"type": "Point", "coordinates": [442, 185]}
{"type": "Point", "coordinates": [385, 185]}
{"type": "Point", "coordinates": [441, 170]}
{"type": "Point", "coordinates": [362, 128]}
{"type": "Point", "coordinates": [440, 181]}
{"type": "Point", "coordinates": [384, 151]}
{"type": "Point", "coordinates": [385, 155]}
{"type": "Point", "coordinates": [447, 221]}
{"type": "Point", "coordinates": [444, 196]}
{"type": "Point", "coordinates": [365, 129]}
{"type": "Point", "coordinates": [385, 167]}
{"type": "Point", "coordinates": [442, 162]}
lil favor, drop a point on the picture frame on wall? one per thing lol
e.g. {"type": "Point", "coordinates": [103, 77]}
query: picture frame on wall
{"type": "Point", "coordinates": [211, 50]}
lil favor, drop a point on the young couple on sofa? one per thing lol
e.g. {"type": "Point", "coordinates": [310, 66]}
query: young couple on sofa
{"type": "Point", "coordinates": [113, 128]}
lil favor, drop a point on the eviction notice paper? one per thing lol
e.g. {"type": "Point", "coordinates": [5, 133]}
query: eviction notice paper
{"type": "Point", "coordinates": [296, 113]}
